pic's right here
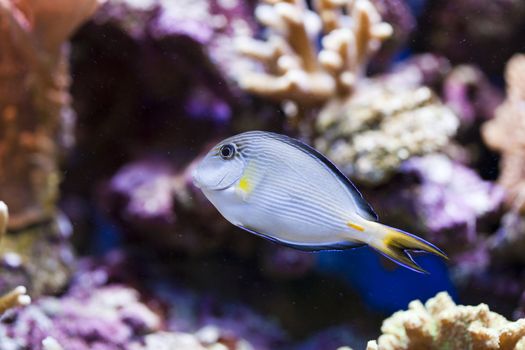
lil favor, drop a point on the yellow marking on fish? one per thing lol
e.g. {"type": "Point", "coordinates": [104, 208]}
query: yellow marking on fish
{"type": "Point", "coordinates": [247, 182]}
{"type": "Point", "coordinates": [355, 226]}
{"type": "Point", "coordinates": [244, 184]}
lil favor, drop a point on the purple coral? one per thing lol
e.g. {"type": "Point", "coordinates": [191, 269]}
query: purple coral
{"type": "Point", "coordinates": [159, 205]}
{"type": "Point", "coordinates": [106, 318]}
{"type": "Point", "coordinates": [142, 194]}
{"type": "Point", "coordinates": [440, 199]}
{"type": "Point", "coordinates": [470, 95]}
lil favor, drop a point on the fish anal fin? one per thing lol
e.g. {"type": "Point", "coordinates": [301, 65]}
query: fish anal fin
{"type": "Point", "coordinates": [343, 245]}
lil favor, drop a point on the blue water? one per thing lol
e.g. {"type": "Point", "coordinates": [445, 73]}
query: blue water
{"type": "Point", "coordinates": [382, 288]}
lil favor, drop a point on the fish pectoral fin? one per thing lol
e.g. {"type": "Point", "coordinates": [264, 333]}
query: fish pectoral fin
{"type": "Point", "coordinates": [396, 245]}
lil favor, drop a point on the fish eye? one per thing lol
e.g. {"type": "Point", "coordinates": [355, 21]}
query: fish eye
{"type": "Point", "coordinates": [227, 151]}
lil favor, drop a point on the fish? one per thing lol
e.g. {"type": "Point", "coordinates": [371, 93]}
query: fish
{"type": "Point", "coordinates": [284, 190]}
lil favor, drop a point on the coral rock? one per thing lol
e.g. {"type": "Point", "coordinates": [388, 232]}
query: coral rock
{"type": "Point", "coordinates": [210, 23]}
{"type": "Point", "coordinates": [381, 126]}
{"type": "Point", "coordinates": [40, 257]}
{"type": "Point", "coordinates": [106, 318]}
{"type": "Point", "coordinates": [35, 112]}
{"type": "Point", "coordinates": [440, 323]}
{"type": "Point", "coordinates": [36, 121]}
{"type": "Point", "coordinates": [506, 132]}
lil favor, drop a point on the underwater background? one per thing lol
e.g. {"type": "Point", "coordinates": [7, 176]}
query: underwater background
{"type": "Point", "coordinates": [107, 106]}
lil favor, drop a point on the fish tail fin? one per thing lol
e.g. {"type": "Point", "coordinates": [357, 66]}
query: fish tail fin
{"type": "Point", "coordinates": [396, 244]}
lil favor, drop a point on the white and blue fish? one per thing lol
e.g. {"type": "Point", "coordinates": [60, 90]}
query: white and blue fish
{"type": "Point", "coordinates": [286, 191]}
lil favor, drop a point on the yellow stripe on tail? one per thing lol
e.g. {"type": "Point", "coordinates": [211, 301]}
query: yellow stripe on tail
{"type": "Point", "coordinates": [396, 244]}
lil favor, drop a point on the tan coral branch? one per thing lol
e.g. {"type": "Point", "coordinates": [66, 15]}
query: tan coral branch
{"type": "Point", "coordinates": [16, 297]}
{"type": "Point", "coordinates": [296, 69]}
{"type": "Point", "coordinates": [296, 34]}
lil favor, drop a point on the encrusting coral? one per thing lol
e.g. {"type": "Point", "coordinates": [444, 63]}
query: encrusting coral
{"type": "Point", "coordinates": [441, 324]}
{"type": "Point", "coordinates": [36, 122]}
{"type": "Point", "coordinates": [384, 123]}
{"type": "Point", "coordinates": [506, 134]}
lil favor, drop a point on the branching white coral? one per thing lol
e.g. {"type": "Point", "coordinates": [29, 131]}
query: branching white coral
{"type": "Point", "coordinates": [296, 69]}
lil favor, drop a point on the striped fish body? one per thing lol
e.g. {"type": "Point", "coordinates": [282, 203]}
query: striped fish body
{"type": "Point", "coordinates": [288, 195]}
{"type": "Point", "coordinates": [281, 189]}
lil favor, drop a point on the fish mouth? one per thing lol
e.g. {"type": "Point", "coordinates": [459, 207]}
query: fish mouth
{"type": "Point", "coordinates": [195, 178]}
{"type": "Point", "coordinates": [216, 187]}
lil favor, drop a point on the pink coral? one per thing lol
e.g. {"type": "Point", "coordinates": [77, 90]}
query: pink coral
{"type": "Point", "coordinates": [506, 134]}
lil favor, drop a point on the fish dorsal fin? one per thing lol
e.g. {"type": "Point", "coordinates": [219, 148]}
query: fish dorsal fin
{"type": "Point", "coordinates": [363, 208]}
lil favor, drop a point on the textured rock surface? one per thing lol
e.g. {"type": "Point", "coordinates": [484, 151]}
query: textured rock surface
{"type": "Point", "coordinates": [440, 323]}
{"type": "Point", "coordinates": [102, 311]}
{"type": "Point", "coordinates": [381, 126]}
{"type": "Point", "coordinates": [104, 318]}
{"type": "Point", "coordinates": [36, 116]}
{"type": "Point", "coordinates": [36, 122]}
